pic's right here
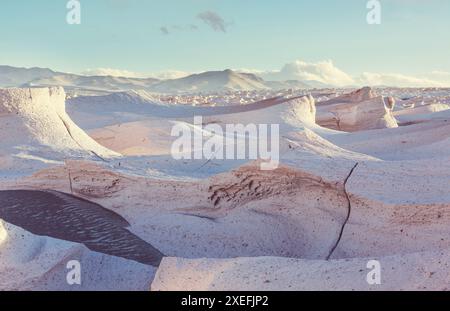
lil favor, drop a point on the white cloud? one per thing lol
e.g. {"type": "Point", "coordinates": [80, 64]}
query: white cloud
{"type": "Point", "coordinates": [250, 70]}
{"type": "Point", "coordinates": [398, 80]}
{"type": "Point", "coordinates": [323, 72]}
{"type": "Point", "coordinates": [162, 75]}
{"type": "Point", "coordinates": [327, 73]}
{"type": "Point", "coordinates": [440, 73]}
{"type": "Point", "coordinates": [170, 74]}
{"type": "Point", "coordinates": [112, 72]}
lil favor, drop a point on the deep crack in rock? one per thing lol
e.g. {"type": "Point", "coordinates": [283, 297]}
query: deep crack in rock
{"type": "Point", "coordinates": [73, 138]}
{"type": "Point", "coordinates": [348, 212]}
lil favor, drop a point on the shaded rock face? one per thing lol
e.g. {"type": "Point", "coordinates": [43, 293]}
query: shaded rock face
{"type": "Point", "coordinates": [389, 102]}
{"type": "Point", "coordinates": [66, 217]}
{"type": "Point", "coordinates": [357, 111]}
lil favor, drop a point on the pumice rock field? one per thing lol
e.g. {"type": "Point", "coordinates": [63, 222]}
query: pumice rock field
{"type": "Point", "coordinates": [253, 146]}
{"type": "Point", "coordinates": [361, 176]}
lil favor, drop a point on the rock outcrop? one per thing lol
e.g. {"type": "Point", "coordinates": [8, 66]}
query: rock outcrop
{"type": "Point", "coordinates": [37, 116]}
{"type": "Point", "coordinates": [34, 127]}
{"type": "Point", "coordinates": [357, 111]}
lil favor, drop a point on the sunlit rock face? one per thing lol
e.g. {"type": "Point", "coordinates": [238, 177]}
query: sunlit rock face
{"type": "Point", "coordinates": [358, 111]}
{"type": "Point", "coordinates": [3, 233]}
{"type": "Point", "coordinates": [36, 131]}
{"type": "Point", "coordinates": [37, 116]}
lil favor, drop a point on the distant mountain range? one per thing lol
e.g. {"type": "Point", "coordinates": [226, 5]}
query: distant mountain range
{"type": "Point", "coordinates": [206, 82]}
{"type": "Point", "coordinates": [13, 76]}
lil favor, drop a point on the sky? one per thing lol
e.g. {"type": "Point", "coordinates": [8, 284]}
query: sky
{"type": "Point", "coordinates": [155, 36]}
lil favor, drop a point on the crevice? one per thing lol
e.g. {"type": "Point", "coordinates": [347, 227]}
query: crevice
{"type": "Point", "coordinates": [199, 216]}
{"type": "Point", "coordinates": [70, 178]}
{"type": "Point", "coordinates": [338, 121]}
{"type": "Point", "coordinates": [73, 138]}
{"type": "Point", "coordinates": [349, 211]}
{"type": "Point", "coordinates": [97, 155]}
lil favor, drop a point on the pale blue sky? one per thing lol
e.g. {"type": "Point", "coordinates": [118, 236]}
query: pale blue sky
{"type": "Point", "coordinates": [260, 34]}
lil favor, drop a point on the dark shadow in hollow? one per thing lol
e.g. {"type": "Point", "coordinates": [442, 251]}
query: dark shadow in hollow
{"type": "Point", "coordinates": [66, 217]}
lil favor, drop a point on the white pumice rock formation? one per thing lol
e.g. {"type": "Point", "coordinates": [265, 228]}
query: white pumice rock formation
{"type": "Point", "coordinates": [357, 111]}
{"type": "Point", "coordinates": [38, 116]}
{"type": "Point", "coordinates": [34, 126]}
